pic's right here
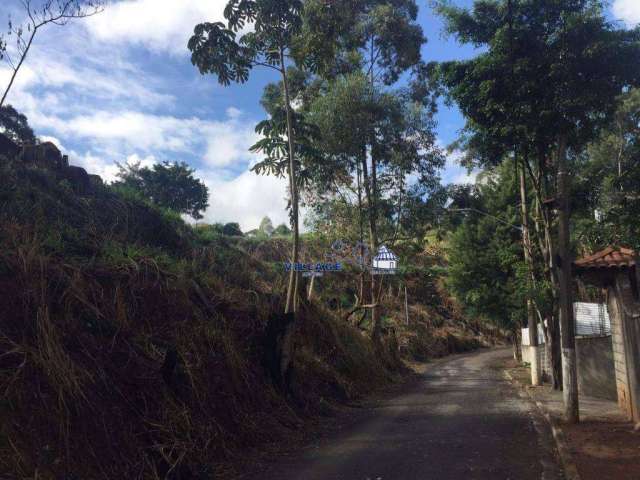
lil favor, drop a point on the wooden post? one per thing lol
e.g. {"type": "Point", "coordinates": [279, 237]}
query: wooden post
{"type": "Point", "coordinates": [567, 321]}
{"type": "Point", "coordinates": [311, 283]}
{"type": "Point", "coordinates": [406, 305]}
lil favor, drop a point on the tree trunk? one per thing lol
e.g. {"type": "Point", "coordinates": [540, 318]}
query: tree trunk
{"type": "Point", "coordinates": [361, 227]}
{"type": "Point", "coordinates": [551, 328]}
{"type": "Point", "coordinates": [373, 233]}
{"type": "Point", "coordinates": [406, 305]}
{"type": "Point", "coordinates": [515, 339]}
{"type": "Point", "coordinates": [373, 244]}
{"type": "Point", "coordinates": [532, 322]}
{"type": "Point", "coordinates": [567, 322]}
{"type": "Point", "coordinates": [291, 304]}
{"type": "Point", "coordinates": [553, 325]}
{"type": "Point", "coordinates": [371, 188]}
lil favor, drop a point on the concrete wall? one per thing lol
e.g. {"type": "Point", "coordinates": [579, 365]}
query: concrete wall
{"type": "Point", "coordinates": [543, 358]}
{"type": "Point", "coordinates": [596, 371]}
{"type": "Point", "coordinates": [619, 360]}
{"type": "Point", "coordinates": [526, 354]}
{"type": "Point", "coordinates": [545, 363]}
{"type": "Point", "coordinates": [629, 309]}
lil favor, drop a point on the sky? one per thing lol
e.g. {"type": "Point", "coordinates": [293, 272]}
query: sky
{"type": "Point", "coordinates": [120, 87]}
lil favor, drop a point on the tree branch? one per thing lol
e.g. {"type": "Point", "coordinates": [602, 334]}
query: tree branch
{"type": "Point", "coordinates": [262, 64]}
{"type": "Point", "coordinates": [66, 11]}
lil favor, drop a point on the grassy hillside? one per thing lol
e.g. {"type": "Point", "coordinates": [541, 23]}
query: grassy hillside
{"type": "Point", "coordinates": [133, 346]}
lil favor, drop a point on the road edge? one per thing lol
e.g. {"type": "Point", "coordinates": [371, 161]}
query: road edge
{"type": "Point", "coordinates": [569, 467]}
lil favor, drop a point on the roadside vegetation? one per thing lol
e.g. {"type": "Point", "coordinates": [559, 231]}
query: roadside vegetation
{"type": "Point", "coordinates": [137, 341]}
{"type": "Point", "coordinates": [135, 344]}
{"type": "Point", "coordinates": [551, 121]}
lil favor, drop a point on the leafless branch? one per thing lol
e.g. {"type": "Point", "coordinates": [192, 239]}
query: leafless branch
{"type": "Point", "coordinates": [263, 64]}
{"type": "Point", "coordinates": [57, 12]}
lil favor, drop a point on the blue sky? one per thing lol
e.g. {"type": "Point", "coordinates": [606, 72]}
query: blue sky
{"type": "Point", "coordinates": [120, 87]}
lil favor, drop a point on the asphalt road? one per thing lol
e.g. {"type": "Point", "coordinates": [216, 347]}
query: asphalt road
{"type": "Point", "coordinates": [463, 420]}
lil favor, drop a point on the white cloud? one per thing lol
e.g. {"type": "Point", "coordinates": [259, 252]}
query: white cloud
{"type": "Point", "coordinates": [228, 142]}
{"type": "Point", "coordinates": [246, 199]}
{"type": "Point", "coordinates": [95, 165]}
{"type": "Point", "coordinates": [219, 143]}
{"type": "Point", "coordinates": [159, 25]}
{"type": "Point", "coordinates": [140, 130]}
{"type": "Point", "coordinates": [453, 172]}
{"type": "Point", "coordinates": [107, 169]}
{"type": "Point", "coordinates": [146, 162]}
{"type": "Point", "coordinates": [54, 140]}
{"type": "Point", "coordinates": [61, 80]}
{"type": "Point", "coordinates": [234, 113]}
{"type": "Point", "coordinates": [627, 10]}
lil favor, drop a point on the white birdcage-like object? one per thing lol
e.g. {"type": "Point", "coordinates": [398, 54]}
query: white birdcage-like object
{"type": "Point", "coordinates": [385, 260]}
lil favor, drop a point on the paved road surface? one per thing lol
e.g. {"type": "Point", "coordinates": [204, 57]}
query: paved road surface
{"type": "Point", "coordinates": [462, 421]}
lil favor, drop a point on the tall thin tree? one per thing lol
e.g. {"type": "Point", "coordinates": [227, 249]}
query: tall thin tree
{"type": "Point", "coordinates": [224, 51]}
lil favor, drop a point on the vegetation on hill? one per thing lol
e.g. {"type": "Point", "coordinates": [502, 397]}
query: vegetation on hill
{"type": "Point", "coordinates": [168, 185]}
{"type": "Point", "coordinates": [134, 345]}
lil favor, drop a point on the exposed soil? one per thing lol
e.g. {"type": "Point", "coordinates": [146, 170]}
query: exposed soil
{"type": "Point", "coordinates": [604, 450]}
{"type": "Point", "coordinates": [602, 446]}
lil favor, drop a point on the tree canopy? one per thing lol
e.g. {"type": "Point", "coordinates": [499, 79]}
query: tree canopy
{"type": "Point", "coordinates": [606, 196]}
{"type": "Point", "coordinates": [232, 229]}
{"type": "Point", "coordinates": [282, 230]}
{"type": "Point", "coordinates": [169, 185]}
{"type": "Point", "coordinates": [549, 68]}
{"type": "Point", "coordinates": [266, 226]}
{"type": "Point", "coordinates": [16, 126]}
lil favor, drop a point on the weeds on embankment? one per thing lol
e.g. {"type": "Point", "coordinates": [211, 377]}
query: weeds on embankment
{"type": "Point", "coordinates": [134, 346]}
{"type": "Point", "coordinates": [128, 349]}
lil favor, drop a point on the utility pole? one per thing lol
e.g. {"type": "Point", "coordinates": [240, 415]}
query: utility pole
{"type": "Point", "coordinates": [567, 321]}
{"type": "Point", "coordinates": [532, 319]}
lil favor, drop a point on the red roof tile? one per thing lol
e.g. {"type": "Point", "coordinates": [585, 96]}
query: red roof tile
{"type": "Point", "coordinates": [610, 257]}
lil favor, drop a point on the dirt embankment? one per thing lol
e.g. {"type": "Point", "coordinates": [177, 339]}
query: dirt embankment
{"type": "Point", "coordinates": [132, 348]}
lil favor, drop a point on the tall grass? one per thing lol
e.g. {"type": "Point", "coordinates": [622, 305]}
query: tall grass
{"type": "Point", "coordinates": [130, 349]}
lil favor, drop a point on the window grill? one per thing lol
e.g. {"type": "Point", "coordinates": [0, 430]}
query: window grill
{"type": "Point", "coordinates": [591, 319]}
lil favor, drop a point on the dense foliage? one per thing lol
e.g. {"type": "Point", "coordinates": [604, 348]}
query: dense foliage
{"type": "Point", "coordinates": [169, 185]}
{"type": "Point", "coordinates": [607, 190]}
{"type": "Point", "coordinates": [15, 126]}
{"type": "Point", "coordinates": [163, 346]}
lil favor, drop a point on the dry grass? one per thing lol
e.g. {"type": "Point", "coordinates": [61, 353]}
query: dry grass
{"type": "Point", "coordinates": [83, 366]}
{"type": "Point", "coordinates": [128, 350]}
